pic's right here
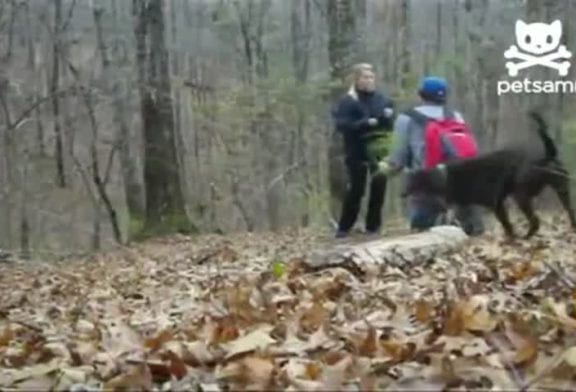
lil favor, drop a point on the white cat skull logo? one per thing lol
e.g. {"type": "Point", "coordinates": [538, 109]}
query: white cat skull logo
{"type": "Point", "coordinates": [538, 44]}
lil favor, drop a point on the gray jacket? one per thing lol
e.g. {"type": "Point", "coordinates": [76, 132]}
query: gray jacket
{"type": "Point", "coordinates": [408, 138]}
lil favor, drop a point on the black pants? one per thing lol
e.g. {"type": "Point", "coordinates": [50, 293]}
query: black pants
{"type": "Point", "coordinates": [357, 177]}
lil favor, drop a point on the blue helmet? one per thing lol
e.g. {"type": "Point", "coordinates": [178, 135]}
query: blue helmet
{"type": "Point", "coordinates": [433, 88]}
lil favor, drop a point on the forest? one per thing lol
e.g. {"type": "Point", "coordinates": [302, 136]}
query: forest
{"type": "Point", "coordinates": [170, 180]}
{"type": "Point", "coordinates": [230, 101]}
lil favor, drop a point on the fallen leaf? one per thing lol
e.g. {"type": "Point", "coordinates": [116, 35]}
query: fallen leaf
{"type": "Point", "coordinates": [198, 354]}
{"type": "Point", "coordinates": [334, 376]}
{"type": "Point", "coordinates": [139, 378]}
{"type": "Point", "coordinates": [119, 338]}
{"type": "Point", "coordinates": [38, 383]}
{"type": "Point", "coordinates": [83, 352]}
{"type": "Point", "coordinates": [227, 254]}
{"type": "Point", "coordinates": [328, 288]}
{"type": "Point", "coordinates": [521, 271]}
{"type": "Point", "coordinates": [454, 323]}
{"type": "Point", "coordinates": [319, 339]}
{"type": "Point", "coordinates": [526, 354]}
{"type": "Point", "coordinates": [313, 371]}
{"type": "Point", "coordinates": [368, 383]}
{"type": "Point", "coordinates": [35, 372]}
{"type": "Point", "coordinates": [225, 330]}
{"type": "Point", "coordinates": [70, 377]}
{"type": "Point", "coordinates": [15, 356]}
{"type": "Point", "coordinates": [105, 365]}
{"type": "Point", "coordinates": [155, 343]}
{"type": "Point", "coordinates": [469, 315]}
{"type": "Point", "coordinates": [561, 313]}
{"type": "Point", "coordinates": [399, 352]}
{"type": "Point", "coordinates": [333, 357]}
{"type": "Point", "coordinates": [250, 373]}
{"type": "Point", "coordinates": [368, 345]}
{"type": "Point", "coordinates": [570, 356]}
{"type": "Point", "coordinates": [295, 368]}
{"type": "Point", "coordinates": [87, 329]}
{"type": "Point", "coordinates": [526, 346]}
{"type": "Point", "coordinates": [6, 337]}
{"type": "Point", "coordinates": [159, 370]}
{"type": "Point", "coordinates": [292, 343]}
{"type": "Point", "coordinates": [278, 269]}
{"type": "Point", "coordinates": [59, 350]}
{"type": "Point", "coordinates": [423, 311]}
{"type": "Point", "coordinates": [314, 317]}
{"type": "Point", "coordinates": [177, 366]}
{"type": "Point", "coordinates": [256, 340]}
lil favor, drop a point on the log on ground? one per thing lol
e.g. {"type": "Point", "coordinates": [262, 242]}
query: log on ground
{"type": "Point", "coordinates": [400, 251]}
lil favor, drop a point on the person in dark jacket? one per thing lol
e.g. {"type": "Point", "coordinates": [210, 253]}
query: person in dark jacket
{"type": "Point", "coordinates": [364, 116]}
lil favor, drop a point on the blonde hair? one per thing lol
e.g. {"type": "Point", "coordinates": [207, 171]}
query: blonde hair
{"type": "Point", "coordinates": [355, 73]}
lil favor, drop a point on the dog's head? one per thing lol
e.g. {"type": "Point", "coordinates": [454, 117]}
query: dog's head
{"type": "Point", "coordinates": [428, 186]}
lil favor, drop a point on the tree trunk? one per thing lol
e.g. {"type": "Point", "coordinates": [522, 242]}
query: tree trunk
{"type": "Point", "coordinates": [10, 45]}
{"type": "Point", "coordinates": [342, 31]}
{"type": "Point", "coordinates": [439, 25]}
{"type": "Point", "coordinates": [252, 16]}
{"type": "Point", "coordinates": [40, 129]}
{"type": "Point", "coordinates": [8, 163]}
{"type": "Point", "coordinates": [54, 85]}
{"type": "Point", "coordinates": [360, 11]}
{"type": "Point", "coordinates": [405, 38]}
{"type": "Point", "coordinates": [30, 39]}
{"type": "Point", "coordinates": [300, 30]}
{"type": "Point", "coordinates": [165, 208]}
{"type": "Point", "coordinates": [24, 233]}
{"type": "Point", "coordinates": [133, 189]}
{"type": "Point", "coordinates": [100, 181]}
{"type": "Point", "coordinates": [301, 34]}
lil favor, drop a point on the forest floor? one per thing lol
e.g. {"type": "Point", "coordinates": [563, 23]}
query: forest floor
{"type": "Point", "coordinates": [241, 311]}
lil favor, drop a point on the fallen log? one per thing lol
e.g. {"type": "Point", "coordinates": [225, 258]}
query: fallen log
{"type": "Point", "coordinates": [400, 251]}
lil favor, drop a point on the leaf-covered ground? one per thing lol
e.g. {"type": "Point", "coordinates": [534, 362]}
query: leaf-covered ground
{"type": "Point", "coordinates": [242, 313]}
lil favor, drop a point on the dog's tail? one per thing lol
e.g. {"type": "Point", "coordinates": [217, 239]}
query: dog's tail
{"type": "Point", "coordinates": [550, 148]}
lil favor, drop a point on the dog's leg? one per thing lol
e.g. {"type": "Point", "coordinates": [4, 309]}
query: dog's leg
{"type": "Point", "coordinates": [562, 188]}
{"type": "Point", "coordinates": [525, 204]}
{"type": "Point", "coordinates": [502, 215]}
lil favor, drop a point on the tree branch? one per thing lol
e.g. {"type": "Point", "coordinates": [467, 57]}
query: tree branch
{"type": "Point", "coordinates": [69, 17]}
{"type": "Point", "coordinates": [24, 115]}
{"type": "Point", "coordinates": [99, 182]}
{"type": "Point", "coordinates": [110, 162]}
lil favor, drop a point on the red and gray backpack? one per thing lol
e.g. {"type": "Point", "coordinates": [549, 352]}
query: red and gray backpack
{"type": "Point", "coordinates": [444, 139]}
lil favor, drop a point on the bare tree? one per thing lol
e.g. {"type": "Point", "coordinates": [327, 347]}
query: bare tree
{"type": "Point", "coordinates": [133, 189]}
{"type": "Point", "coordinates": [301, 30]}
{"type": "Point", "coordinates": [342, 33]}
{"type": "Point", "coordinates": [54, 86]}
{"type": "Point", "coordinates": [165, 208]}
{"type": "Point", "coordinates": [405, 40]}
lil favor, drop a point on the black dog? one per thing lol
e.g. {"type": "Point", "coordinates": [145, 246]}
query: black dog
{"type": "Point", "coordinates": [489, 179]}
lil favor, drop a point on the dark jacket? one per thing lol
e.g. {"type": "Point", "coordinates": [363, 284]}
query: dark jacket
{"type": "Point", "coordinates": [351, 115]}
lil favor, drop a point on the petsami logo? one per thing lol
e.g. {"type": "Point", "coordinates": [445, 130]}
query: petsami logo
{"type": "Point", "coordinates": [537, 44]}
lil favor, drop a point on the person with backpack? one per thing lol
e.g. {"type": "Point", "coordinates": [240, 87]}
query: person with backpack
{"type": "Point", "coordinates": [364, 116]}
{"type": "Point", "coordinates": [424, 137]}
